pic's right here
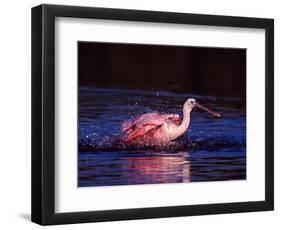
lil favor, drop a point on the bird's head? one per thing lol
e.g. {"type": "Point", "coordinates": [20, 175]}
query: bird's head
{"type": "Point", "coordinates": [191, 103]}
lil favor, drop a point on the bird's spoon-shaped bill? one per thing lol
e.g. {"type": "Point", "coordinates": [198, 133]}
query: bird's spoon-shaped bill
{"type": "Point", "coordinates": [208, 110]}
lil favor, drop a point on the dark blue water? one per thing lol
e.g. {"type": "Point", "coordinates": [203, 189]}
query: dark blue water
{"type": "Point", "coordinates": [213, 149]}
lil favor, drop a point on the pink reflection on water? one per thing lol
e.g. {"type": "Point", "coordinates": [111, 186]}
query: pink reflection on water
{"type": "Point", "coordinates": [160, 168]}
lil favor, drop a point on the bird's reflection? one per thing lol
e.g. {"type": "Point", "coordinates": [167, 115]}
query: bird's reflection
{"type": "Point", "coordinates": [158, 168]}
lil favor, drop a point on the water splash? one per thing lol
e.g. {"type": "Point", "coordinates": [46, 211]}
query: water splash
{"type": "Point", "coordinates": [115, 143]}
{"type": "Point", "coordinates": [212, 149]}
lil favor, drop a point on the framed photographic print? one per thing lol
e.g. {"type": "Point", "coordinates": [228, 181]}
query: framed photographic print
{"type": "Point", "coordinates": [142, 114]}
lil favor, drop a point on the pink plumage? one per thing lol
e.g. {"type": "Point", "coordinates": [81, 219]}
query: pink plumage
{"type": "Point", "coordinates": [145, 124]}
{"type": "Point", "coordinates": [155, 128]}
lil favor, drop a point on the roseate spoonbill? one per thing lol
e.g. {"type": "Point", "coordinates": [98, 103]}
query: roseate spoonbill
{"type": "Point", "coordinates": [156, 129]}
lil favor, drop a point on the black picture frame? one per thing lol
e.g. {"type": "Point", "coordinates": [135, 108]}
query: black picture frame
{"type": "Point", "coordinates": [43, 110]}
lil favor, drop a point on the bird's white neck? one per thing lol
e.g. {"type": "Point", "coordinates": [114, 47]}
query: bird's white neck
{"type": "Point", "coordinates": [181, 129]}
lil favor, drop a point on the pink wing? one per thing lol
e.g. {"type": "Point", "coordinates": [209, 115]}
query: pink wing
{"type": "Point", "coordinates": [175, 118]}
{"type": "Point", "coordinates": [144, 123]}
